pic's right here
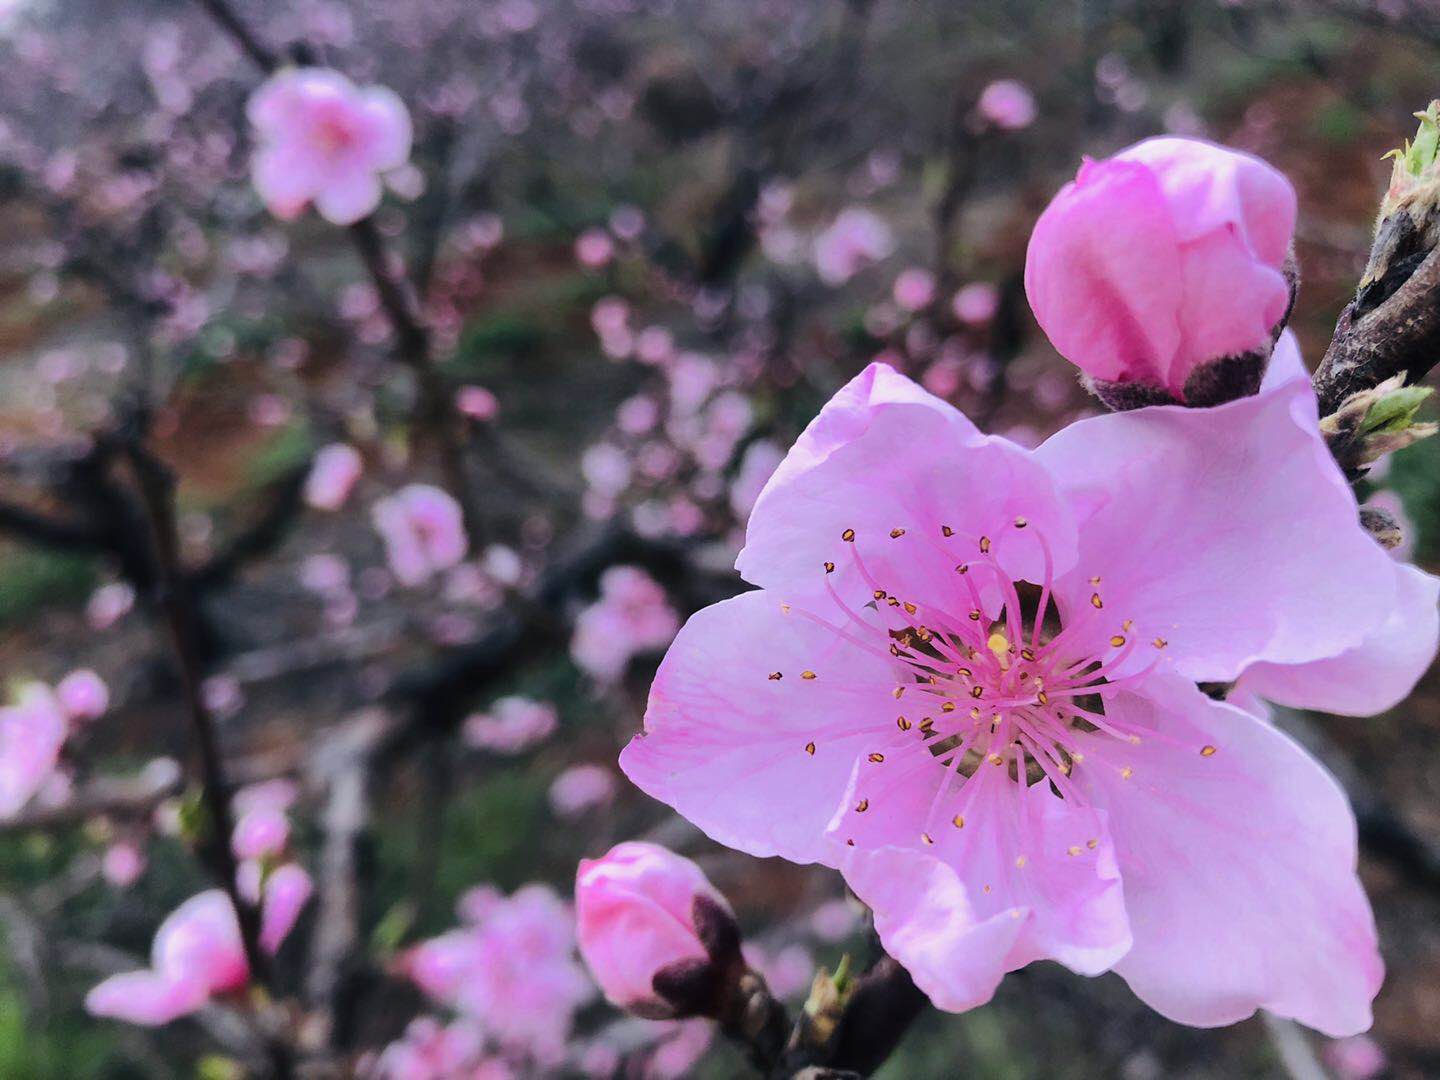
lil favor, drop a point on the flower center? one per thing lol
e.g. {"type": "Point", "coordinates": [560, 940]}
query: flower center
{"type": "Point", "coordinates": [993, 677]}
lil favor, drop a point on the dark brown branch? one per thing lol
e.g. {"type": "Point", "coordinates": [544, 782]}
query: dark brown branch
{"type": "Point", "coordinates": [156, 489]}
{"type": "Point", "coordinates": [283, 503]}
{"type": "Point", "coordinates": [248, 43]}
{"type": "Point", "coordinates": [1400, 335]}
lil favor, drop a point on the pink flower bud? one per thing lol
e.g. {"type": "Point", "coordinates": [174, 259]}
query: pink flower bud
{"type": "Point", "coordinates": [636, 909]}
{"type": "Point", "coordinates": [332, 476]}
{"type": "Point", "coordinates": [83, 695]}
{"type": "Point", "coordinates": [1157, 263]}
{"type": "Point", "coordinates": [1007, 104]}
{"type": "Point", "coordinates": [260, 832]}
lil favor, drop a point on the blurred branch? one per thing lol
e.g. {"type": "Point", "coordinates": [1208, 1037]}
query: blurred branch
{"type": "Point", "coordinates": [156, 489]}
{"type": "Point", "coordinates": [105, 796]}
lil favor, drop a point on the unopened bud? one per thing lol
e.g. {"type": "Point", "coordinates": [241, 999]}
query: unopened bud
{"type": "Point", "coordinates": [1408, 227]}
{"type": "Point", "coordinates": [1372, 423]}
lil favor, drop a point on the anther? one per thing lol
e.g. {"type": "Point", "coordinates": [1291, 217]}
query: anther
{"type": "Point", "coordinates": [1095, 601]}
{"type": "Point", "coordinates": [1074, 849]}
{"type": "Point", "coordinates": [949, 706]}
{"type": "Point", "coordinates": [810, 748]}
{"type": "Point", "coordinates": [977, 691]}
{"type": "Point", "coordinates": [925, 836]}
{"type": "Point", "coordinates": [1126, 773]}
{"type": "Point", "coordinates": [1092, 843]}
{"type": "Point", "coordinates": [910, 608]}
{"type": "Point", "coordinates": [1207, 751]}
{"type": "Point", "coordinates": [862, 806]}
{"type": "Point", "coordinates": [829, 568]}
{"type": "Point", "coordinates": [895, 534]}
{"type": "Point", "coordinates": [1020, 523]}
{"type": "Point", "coordinates": [1159, 643]}
{"type": "Point", "coordinates": [975, 615]}
{"type": "Point", "coordinates": [902, 723]}
{"type": "Point", "coordinates": [1117, 640]}
{"type": "Point", "coordinates": [984, 545]}
{"type": "Point", "coordinates": [807, 675]}
{"type": "Point", "coordinates": [898, 691]}
{"type": "Point", "coordinates": [945, 530]}
{"type": "Point", "coordinates": [876, 759]}
{"type": "Point", "coordinates": [878, 594]}
{"type": "Point", "coordinates": [848, 536]}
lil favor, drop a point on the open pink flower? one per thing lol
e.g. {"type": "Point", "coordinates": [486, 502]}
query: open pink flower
{"type": "Point", "coordinates": [32, 733]}
{"type": "Point", "coordinates": [511, 970]}
{"type": "Point", "coordinates": [333, 475]}
{"type": "Point", "coordinates": [636, 916]}
{"type": "Point", "coordinates": [630, 617]}
{"type": "Point", "coordinates": [423, 530]}
{"type": "Point", "coordinates": [322, 139]}
{"type": "Point", "coordinates": [198, 953]}
{"type": "Point", "coordinates": [855, 239]}
{"type": "Point", "coordinates": [512, 725]}
{"type": "Point", "coordinates": [83, 695]}
{"type": "Point", "coordinates": [1007, 104]}
{"type": "Point", "coordinates": [1161, 260]}
{"type": "Point", "coordinates": [581, 788]}
{"type": "Point", "coordinates": [968, 680]}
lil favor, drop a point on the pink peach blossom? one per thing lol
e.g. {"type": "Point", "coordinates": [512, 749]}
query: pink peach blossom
{"type": "Point", "coordinates": [975, 304]}
{"type": "Point", "coordinates": [287, 890]}
{"type": "Point", "coordinates": [856, 238]}
{"type": "Point", "coordinates": [511, 971]}
{"type": "Point", "coordinates": [594, 248]}
{"type": "Point", "coordinates": [630, 617]}
{"type": "Point", "coordinates": [83, 695]}
{"type": "Point", "coordinates": [513, 724]}
{"type": "Point", "coordinates": [423, 530]}
{"type": "Point", "coordinates": [109, 604]}
{"type": "Point", "coordinates": [581, 788]}
{"type": "Point", "coordinates": [322, 139]}
{"type": "Point", "coordinates": [1008, 104]}
{"type": "Point", "coordinates": [1005, 781]}
{"type": "Point", "coordinates": [197, 953]}
{"type": "Point", "coordinates": [1357, 1058]}
{"type": "Point", "coordinates": [260, 832]}
{"type": "Point", "coordinates": [761, 460]}
{"type": "Point", "coordinates": [432, 1051]}
{"type": "Point", "coordinates": [333, 475]}
{"type": "Point", "coordinates": [32, 733]}
{"type": "Point", "coordinates": [477, 403]}
{"type": "Point", "coordinates": [122, 864]}
{"type": "Point", "coordinates": [1162, 259]}
{"type": "Point", "coordinates": [635, 911]}
{"type": "Point", "coordinates": [914, 288]}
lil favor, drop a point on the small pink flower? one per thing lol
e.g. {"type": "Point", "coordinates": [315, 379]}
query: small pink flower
{"type": "Point", "coordinates": [914, 288]}
{"type": "Point", "coordinates": [630, 617]}
{"type": "Point", "coordinates": [513, 725]}
{"type": "Point", "coordinates": [581, 788]}
{"type": "Point", "coordinates": [761, 460]}
{"type": "Point", "coordinates": [1003, 781]}
{"type": "Point", "coordinates": [1161, 260]}
{"type": "Point", "coordinates": [477, 403]}
{"type": "Point", "coordinates": [975, 304]}
{"type": "Point", "coordinates": [197, 953]}
{"type": "Point", "coordinates": [32, 733]}
{"type": "Point", "coordinates": [83, 695]}
{"type": "Point", "coordinates": [511, 971]}
{"type": "Point", "coordinates": [787, 972]}
{"type": "Point", "coordinates": [855, 239]}
{"type": "Point", "coordinates": [1007, 104]}
{"type": "Point", "coordinates": [1357, 1058]}
{"type": "Point", "coordinates": [636, 916]}
{"type": "Point", "coordinates": [109, 604]}
{"type": "Point", "coordinates": [594, 248]}
{"type": "Point", "coordinates": [678, 1053]}
{"type": "Point", "coordinates": [322, 139]}
{"type": "Point", "coordinates": [122, 864]}
{"type": "Point", "coordinates": [260, 832]}
{"type": "Point", "coordinates": [423, 531]}
{"type": "Point", "coordinates": [333, 475]}
{"type": "Point", "coordinates": [287, 890]}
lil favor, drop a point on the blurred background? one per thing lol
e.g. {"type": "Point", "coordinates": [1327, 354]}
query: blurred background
{"type": "Point", "coordinates": [651, 237]}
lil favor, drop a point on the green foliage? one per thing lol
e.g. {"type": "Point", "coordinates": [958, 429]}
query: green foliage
{"type": "Point", "coordinates": [1415, 476]}
{"type": "Point", "coordinates": [30, 579]}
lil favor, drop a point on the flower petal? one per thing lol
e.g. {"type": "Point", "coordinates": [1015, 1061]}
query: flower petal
{"type": "Point", "coordinates": [1375, 675]}
{"type": "Point", "coordinates": [348, 196]}
{"type": "Point", "coordinates": [144, 997]}
{"type": "Point", "coordinates": [759, 763]}
{"type": "Point", "coordinates": [1239, 866]}
{"type": "Point", "coordinates": [1014, 850]}
{"type": "Point", "coordinates": [1229, 532]}
{"type": "Point", "coordinates": [896, 478]}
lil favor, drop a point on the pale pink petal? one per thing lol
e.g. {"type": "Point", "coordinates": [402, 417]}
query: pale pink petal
{"type": "Point", "coordinates": [924, 920]}
{"type": "Point", "coordinates": [284, 179]}
{"type": "Point", "coordinates": [920, 488]}
{"type": "Point", "coordinates": [386, 127]}
{"type": "Point", "coordinates": [347, 198]}
{"type": "Point", "coordinates": [144, 997]}
{"type": "Point", "coordinates": [1103, 273]}
{"type": "Point", "coordinates": [287, 890]}
{"type": "Point", "coordinates": [1375, 675]}
{"type": "Point", "coordinates": [1178, 503]}
{"type": "Point", "coordinates": [726, 745]}
{"type": "Point", "coordinates": [201, 940]}
{"type": "Point", "coordinates": [1214, 268]}
{"type": "Point", "coordinates": [1239, 856]}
